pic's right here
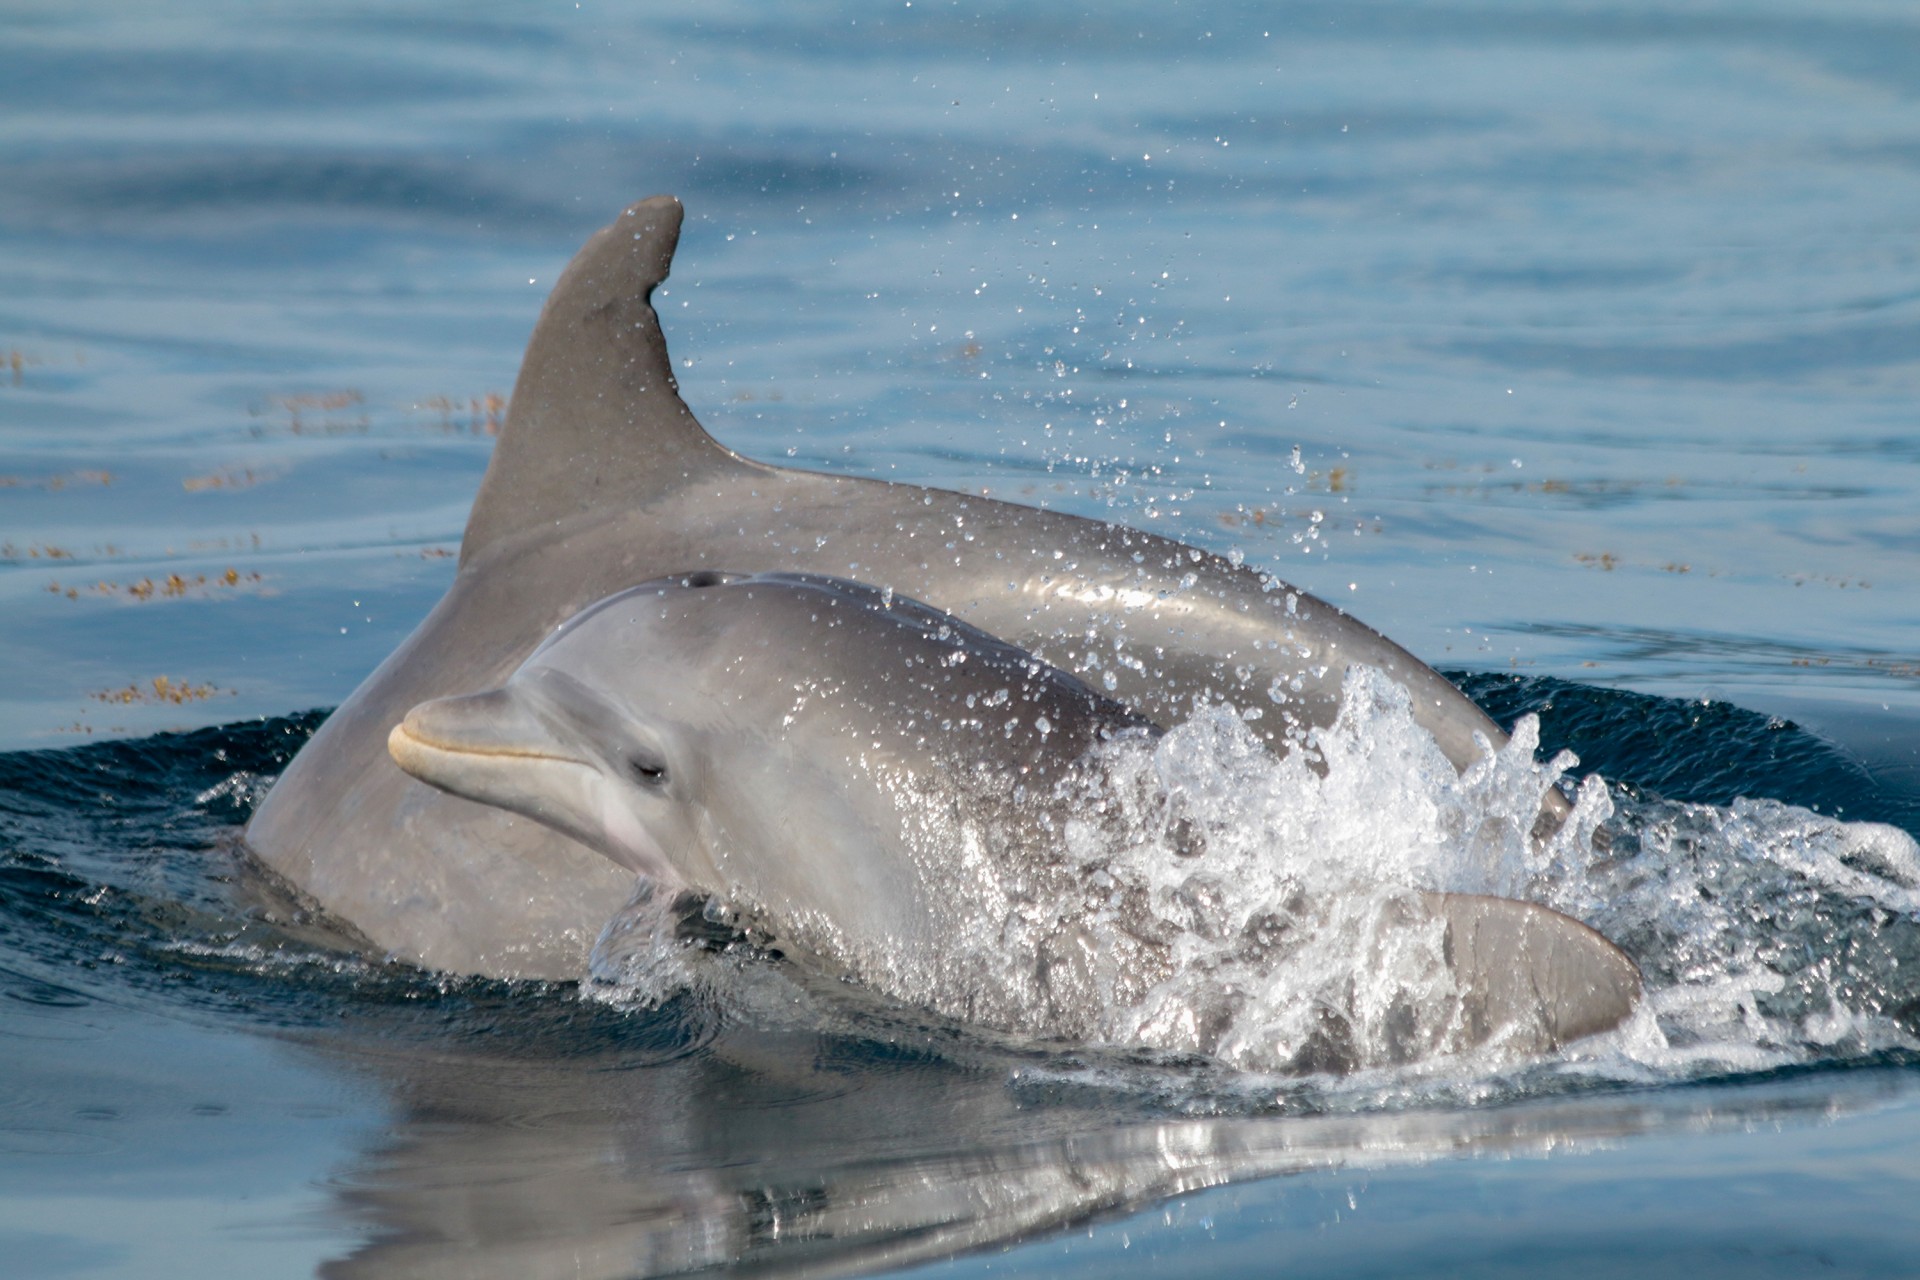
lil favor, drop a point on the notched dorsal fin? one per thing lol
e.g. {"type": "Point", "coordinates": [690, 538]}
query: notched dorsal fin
{"type": "Point", "coordinates": [596, 422]}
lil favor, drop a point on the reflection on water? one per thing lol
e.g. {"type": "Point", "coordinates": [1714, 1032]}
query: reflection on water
{"type": "Point", "coordinates": [810, 1156]}
{"type": "Point", "coordinates": [515, 1133]}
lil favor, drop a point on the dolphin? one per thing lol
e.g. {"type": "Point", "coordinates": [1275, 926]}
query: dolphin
{"type": "Point", "coordinates": [602, 479]}
{"type": "Point", "coordinates": [880, 790]}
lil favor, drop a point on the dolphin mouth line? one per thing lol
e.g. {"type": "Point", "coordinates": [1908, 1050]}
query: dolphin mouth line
{"type": "Point", "coordinates": [403, 736]}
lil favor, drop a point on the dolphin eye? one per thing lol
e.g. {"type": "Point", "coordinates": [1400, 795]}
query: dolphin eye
{"type": "Point", "coordinates": [648, 771]}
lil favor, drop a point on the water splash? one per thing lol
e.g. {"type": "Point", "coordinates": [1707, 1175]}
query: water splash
{"type": "Point", "coordinates": [1770, 935]}
{"type": "Point", "coordinates": [1285, 890]}
{"type": "Point", "coordinates": [1211, 899]}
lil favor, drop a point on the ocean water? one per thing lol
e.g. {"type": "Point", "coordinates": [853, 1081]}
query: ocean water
{"type": "Point", "coordinates": [1573, 345]}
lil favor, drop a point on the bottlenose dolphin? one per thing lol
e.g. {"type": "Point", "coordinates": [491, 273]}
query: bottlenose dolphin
{"type": "Point", "coordinates": [878, 788]}
{"type": "Point", "coordinates": [602, 479]}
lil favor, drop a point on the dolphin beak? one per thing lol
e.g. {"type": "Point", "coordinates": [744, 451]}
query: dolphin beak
{"type": "Point", "coordinates": [495, 748]}
{"type": "Point", "coordinates": [449, 740]}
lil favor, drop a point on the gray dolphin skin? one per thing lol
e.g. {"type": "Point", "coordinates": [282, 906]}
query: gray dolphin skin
{"type": "Point", "coordinates": [885, 793]}
{"type": "Point", "coordinates": [602, 479]}
{"type": "Point", "coordinates": [811, 750]}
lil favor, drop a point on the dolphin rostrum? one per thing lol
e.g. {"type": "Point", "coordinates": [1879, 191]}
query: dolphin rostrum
{"type": "Point", "coordinates": [602, 479]}
{"type": "Point", "coordinates": [885, 792]}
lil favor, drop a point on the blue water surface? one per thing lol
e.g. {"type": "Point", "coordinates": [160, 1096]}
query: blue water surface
{"type": "Point", "coordinates": [1574, 345]}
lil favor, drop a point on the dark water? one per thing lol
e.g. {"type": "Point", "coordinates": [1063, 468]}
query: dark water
{"type": "Point", "coordinates": [1596, 328]}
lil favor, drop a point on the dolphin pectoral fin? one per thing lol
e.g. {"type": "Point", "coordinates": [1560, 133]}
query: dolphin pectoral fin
{"type": "Point", "coordinates": [1530, 977]}
{"type": "Point", "coordinates": [596, 423]}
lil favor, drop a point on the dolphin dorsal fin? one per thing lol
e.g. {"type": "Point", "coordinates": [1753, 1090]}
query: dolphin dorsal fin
{"type": "Point", "coordinates": [596, 423]}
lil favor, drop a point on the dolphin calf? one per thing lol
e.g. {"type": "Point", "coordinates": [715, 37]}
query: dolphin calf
{"type": "Point", "coordinates": [881, 790]}
{"type": "Point", "coordinates": [603, 479]}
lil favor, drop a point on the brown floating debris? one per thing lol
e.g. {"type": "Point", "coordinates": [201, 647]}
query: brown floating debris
{"type": "Point", "coordinates": [319, 413]}
{"type": "Point", "coordinates": [161, 689]}
{"type": "Point", "coordinates": [226, 478]}
{"type": "Point", "coordinates": [174, 586]}
{"type": "Point", "coordinates": [18, 362]}
{"type": "Point", "coordinates": [38, 551]}
{"type": "Point", "coordinates": [477, 415]}
{"type": "Point", "coordinates": [55, 483]}
{"type": "Point", "coordinates": [1885, 666]}
{"type": "Point", "coordinates": [45, 551]}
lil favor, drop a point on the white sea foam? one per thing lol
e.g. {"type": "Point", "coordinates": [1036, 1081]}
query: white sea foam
{"type": "Point", "coordinates": [244, 790]}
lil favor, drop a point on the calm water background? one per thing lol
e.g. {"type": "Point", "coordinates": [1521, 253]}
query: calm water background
{"type": "Point", "coordinates": [1596, 326]}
